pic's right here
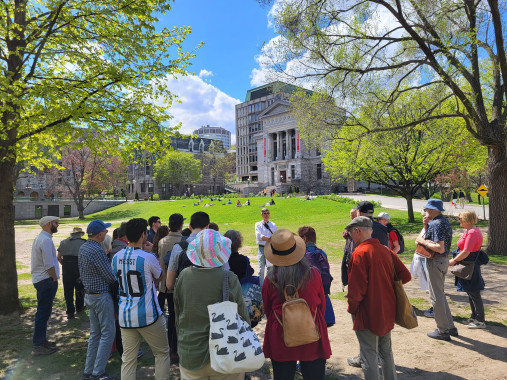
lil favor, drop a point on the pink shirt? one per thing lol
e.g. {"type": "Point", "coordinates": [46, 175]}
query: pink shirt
{"type": "Point", "coordinates": [471, 240]}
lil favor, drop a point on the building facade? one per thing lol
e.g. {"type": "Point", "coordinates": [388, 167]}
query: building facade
{"type": "Point", "coordinates": [141, 180]}
{"type": "Point", "coordinates": [215, 133]}
{"type": "Point", "coordinates": [269, 149]}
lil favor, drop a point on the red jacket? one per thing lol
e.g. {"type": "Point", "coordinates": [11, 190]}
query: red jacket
{"type": "Point", "coordinates": [371, 295]}
{"type": "Point", "coordinates": [273, 346]}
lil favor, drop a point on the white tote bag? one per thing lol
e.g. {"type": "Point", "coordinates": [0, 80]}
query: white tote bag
{"type": "Point", "coordinates": [233, 345]}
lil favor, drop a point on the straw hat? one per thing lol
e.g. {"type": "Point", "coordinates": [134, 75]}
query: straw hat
{"type": "Point", "coordinates": [209, 249]}
{"type": "Point", "coordinates": [284, 248]}
{"type": "Point", "coordinates": [77, 231]}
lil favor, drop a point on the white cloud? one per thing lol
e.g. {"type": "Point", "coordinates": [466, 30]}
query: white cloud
{"type": "Point", "coordinates": [201, 104]}
{"type": "Point", "coordinates": [205, 73]}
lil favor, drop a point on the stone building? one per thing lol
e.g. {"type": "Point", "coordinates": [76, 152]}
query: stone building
{"type": "Point", "coordinates": [141, 179]}
{"type": "Point", "coordinates": [269, 149]}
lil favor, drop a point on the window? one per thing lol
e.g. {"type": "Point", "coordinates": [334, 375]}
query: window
{"type": "Point", "coordinates": [293, 171]}
{"type": "Point", "coordinates": [150, 188]}
{"type": "Point", "coordinates": [66, 210]}
{"type": "Point", "coordinates": [38, 212]}
{"type": "Point", "coordinates": [143, 187]}
{"type": "Point", "coordinates": [319, 171]}
{"type": "Point", "coordinates": [163, 188]}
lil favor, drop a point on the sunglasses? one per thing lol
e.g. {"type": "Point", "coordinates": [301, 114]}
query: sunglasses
{"type": "Point", "coordinates": [265, 213]}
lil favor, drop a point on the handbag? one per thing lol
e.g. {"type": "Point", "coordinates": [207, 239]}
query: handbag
{"type": "Point", "coordinates": [252, 295]}
{"type": "Point", "coordinates": [464, 269]}
{"type": "Point", "coordinates": [405, 314]}
{"type": "Point", "coordinates": [422, 251]}
{"type": "Point", "coordinates": [233, 345]}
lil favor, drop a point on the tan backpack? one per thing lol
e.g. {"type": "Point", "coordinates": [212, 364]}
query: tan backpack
{"type": "Point", "coordinates": [298, 323]}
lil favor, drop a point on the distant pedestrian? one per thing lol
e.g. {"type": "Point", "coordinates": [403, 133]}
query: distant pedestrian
{"type": "Point", "coordinates": [263, 231]}
{"type": "Point", "coordinates": [45, 274]}
{"type": "Point", "coordinates": [461, 196]}
{"type": "Point", "coordinates": [371, 298]}
{"type": "Point", "coordinates": [68, 253]}
{"type": "Point", "coordinates": [438, 238]}
{"type": "Point", "coordinates": [97, 276]}
{"type": "Point", "coordinates": [454, 199]}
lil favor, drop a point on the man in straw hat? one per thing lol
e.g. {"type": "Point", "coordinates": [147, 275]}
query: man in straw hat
{"type": "Point", "coordinates": [45, 274]}
{"type": "Point", "coordinates": [371, 297]}
{"type": "Point", "coordinates": [68, 252]}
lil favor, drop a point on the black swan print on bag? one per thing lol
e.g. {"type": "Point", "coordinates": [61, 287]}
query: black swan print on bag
{"type": "Point", "coordinates": [221, 317]}
{"type": "Point", "coordinates": [240, 357]}
{"type": "Point", "coordinates": [233, 326]}
{"type": "Point", "coordinates": [217, 335]}
{"type": "Point", "coordinates": [222, 351]}
{"type": "Point", "coordinates": [232, 339]}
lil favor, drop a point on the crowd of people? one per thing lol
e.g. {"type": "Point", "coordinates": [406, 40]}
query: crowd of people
{"type": "Point", "coordinates": [126, 284]}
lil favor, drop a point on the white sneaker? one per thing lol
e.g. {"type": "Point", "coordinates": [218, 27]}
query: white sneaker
{"type": "Point", "coordinates": [477, 325]}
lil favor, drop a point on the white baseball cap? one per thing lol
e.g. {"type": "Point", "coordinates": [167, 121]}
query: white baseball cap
{"type": "Point", "coordinates": [384, 215]}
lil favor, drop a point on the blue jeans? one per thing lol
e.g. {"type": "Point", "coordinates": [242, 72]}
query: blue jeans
{"type": "Point", "coordinates": [102, 332]}
{"type": "Point", "coordinates": [46, 291]}
{"type": "Point", "coordinates": [262, 264]}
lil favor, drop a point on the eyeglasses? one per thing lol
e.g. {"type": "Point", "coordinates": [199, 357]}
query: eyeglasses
{"type": "Point", "coordinates": [265, 213]}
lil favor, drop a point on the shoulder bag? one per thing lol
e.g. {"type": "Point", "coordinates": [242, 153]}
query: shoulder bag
{"type": "Point", "coordinates": [464, 269]}
{"type": "Point", "coordinates": [233, 345]}
{"type": "Point", "coordinates": [405, 314]}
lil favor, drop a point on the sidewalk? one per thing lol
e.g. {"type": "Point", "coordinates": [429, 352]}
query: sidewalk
{"type": "Point", "coordinates": [418, 204]}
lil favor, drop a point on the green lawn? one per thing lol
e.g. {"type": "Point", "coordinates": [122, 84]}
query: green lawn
{"type": "Point", "coordinates": [328, 217]}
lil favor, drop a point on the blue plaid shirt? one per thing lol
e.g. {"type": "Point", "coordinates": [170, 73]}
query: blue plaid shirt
{"type": "Point", "coordinates": [94, 268]}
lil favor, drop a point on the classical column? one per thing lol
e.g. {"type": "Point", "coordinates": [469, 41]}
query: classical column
{"type": "Point", "coordinates": [289, 144]}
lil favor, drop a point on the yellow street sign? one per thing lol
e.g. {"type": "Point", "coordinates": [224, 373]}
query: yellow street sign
{"type": "Point", "coordinates": [482, 190]}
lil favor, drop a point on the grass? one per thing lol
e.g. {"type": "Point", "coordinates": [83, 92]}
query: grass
{"type": "Point", "coordinates": [327, 217]}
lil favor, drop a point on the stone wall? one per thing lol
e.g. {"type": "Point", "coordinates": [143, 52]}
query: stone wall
{"type": "Point", "coordinates": [27, 209]}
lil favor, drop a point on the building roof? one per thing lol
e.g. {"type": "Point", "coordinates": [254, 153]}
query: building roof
{"type": "Point", "coordinates": [273, 88]}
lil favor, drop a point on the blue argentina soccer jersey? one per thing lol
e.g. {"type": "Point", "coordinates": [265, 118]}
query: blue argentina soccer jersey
{"type": "Point", "coordinates": [136, 271]}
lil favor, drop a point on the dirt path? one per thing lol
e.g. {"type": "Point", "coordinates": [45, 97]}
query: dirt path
{"type": "Point", "coordinates": [475, 354]}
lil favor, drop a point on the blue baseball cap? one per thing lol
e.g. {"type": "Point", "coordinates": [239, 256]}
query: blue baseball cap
{"type": "Point", "coordinates": [96, 226]}
{"type": "Point", "coordinates": [435, 204]}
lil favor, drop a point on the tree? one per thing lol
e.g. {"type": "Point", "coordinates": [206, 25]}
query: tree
{"type": "Point", "coordinates": [69, 67]}
{"type": "Point", "coordinates": [381, 49]}
{"type": "Point", "coordinates": [85, 174]}
{"type": "Point", "coordinates": [403, 160]}
{"type": "Point", "coordinates": [177, 168]}
{"type": "Point", "coordinates": [218, 164]}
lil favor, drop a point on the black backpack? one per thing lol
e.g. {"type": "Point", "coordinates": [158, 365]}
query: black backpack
{"type": "Point", "coordinates": [183, 260]}
{"type": "Point", "coordinates": [400, 238]}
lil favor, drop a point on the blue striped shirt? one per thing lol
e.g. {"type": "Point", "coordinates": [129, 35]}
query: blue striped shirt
{"type": "Point", "coordinates": [137, 272]}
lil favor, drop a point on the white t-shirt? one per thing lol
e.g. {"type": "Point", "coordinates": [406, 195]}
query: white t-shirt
{"type": "Point", "coordinates": [136, 271]}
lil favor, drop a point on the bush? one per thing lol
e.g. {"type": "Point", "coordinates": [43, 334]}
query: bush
{"type": "Point", "coordinates": [155, 197]}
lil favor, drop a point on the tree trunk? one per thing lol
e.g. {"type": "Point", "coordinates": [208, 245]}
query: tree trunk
{"type": "Point", "coordinates": [80, 207]}
{"type": "Point", "coordinates": [497, 176]}
{"type": "Point", "coordinates": [8, 273]}
{"type": "Point", "coordinates": [410, 208]}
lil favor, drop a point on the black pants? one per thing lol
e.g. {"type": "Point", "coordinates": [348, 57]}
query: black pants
{"type": "Point", "coordinates": [476, 305]}
{"type": "Point", "coordinates": [72, 283]}
{"type": "Point", "coordinates": [161, 300]}
{"type": "Point", "coordinates": [171, 325]}
{"type": "Point", "coordinates": [314, 370]}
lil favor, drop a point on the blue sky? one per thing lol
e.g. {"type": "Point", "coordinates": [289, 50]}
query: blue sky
{"type": "Point", "coordinates": [233, 32]}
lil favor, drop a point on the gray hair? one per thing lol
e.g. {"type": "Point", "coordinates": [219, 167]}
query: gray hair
{"type": "Point", "coordinates": [236, 239]}
{"type": "Point", "coordinates": [296, 275]}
